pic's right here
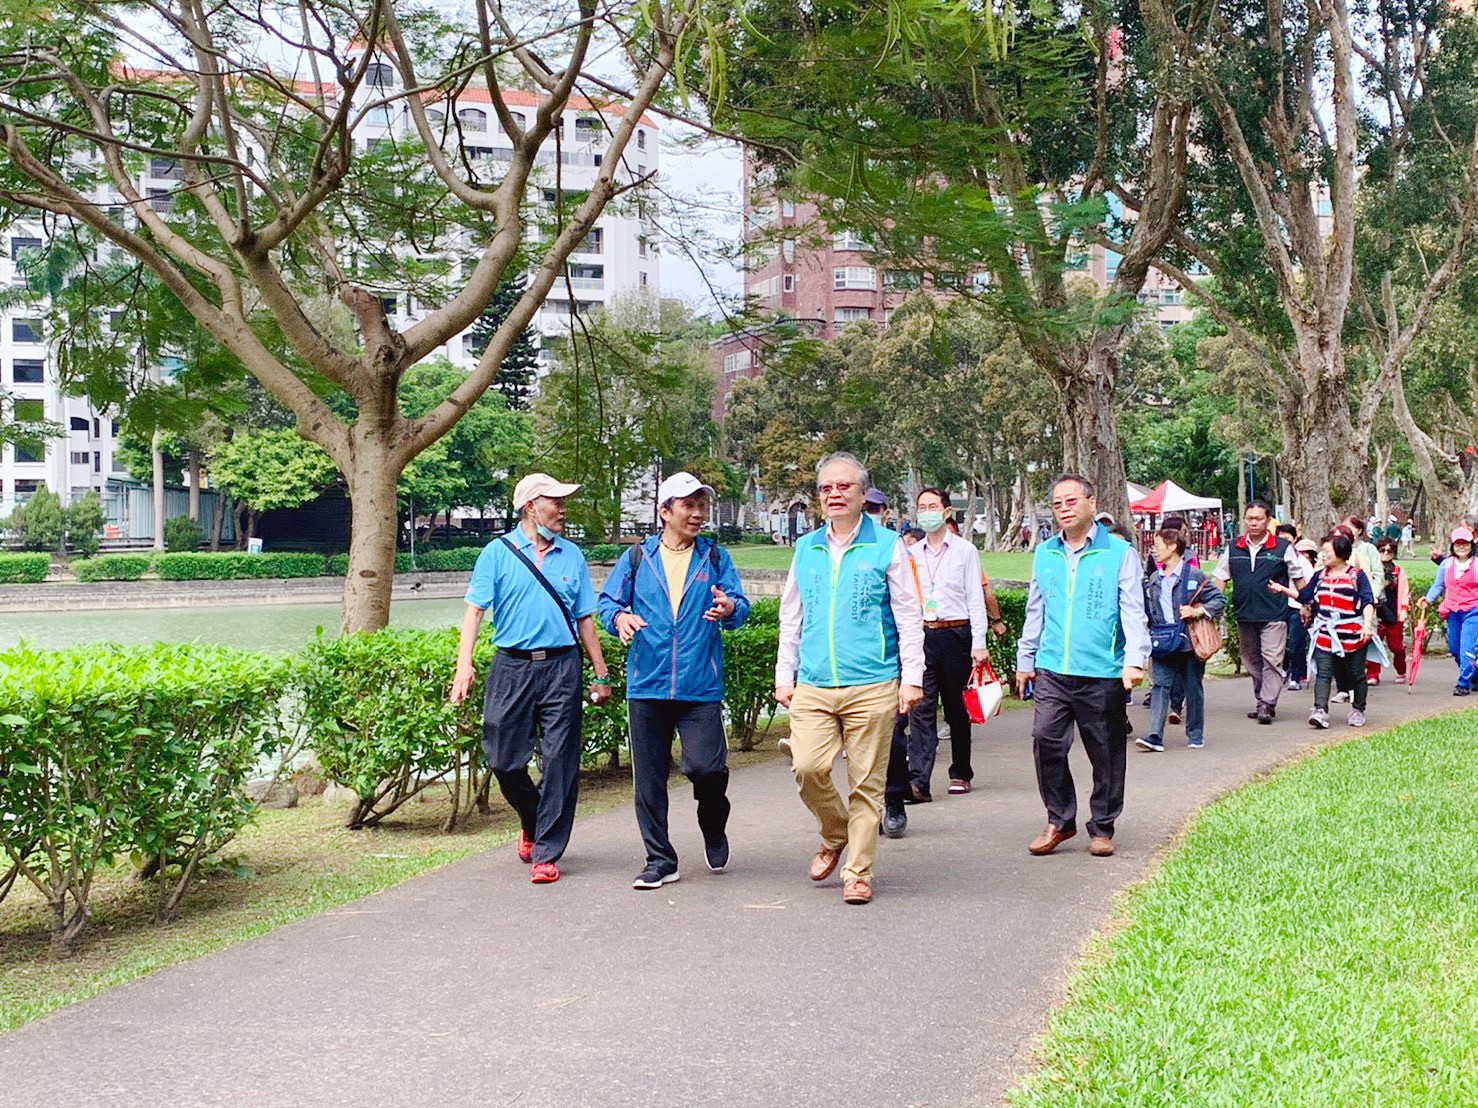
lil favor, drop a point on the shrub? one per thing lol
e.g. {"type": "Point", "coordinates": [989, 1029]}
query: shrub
{"type": "Point", "coordinates": [377, 715]}
{"type": "Point", "coordinates": [764, 612]}
{"type": "Point", "coordinates": [112, 567]}
{"type": "Point", "coordinates": [457, 559]}
{"type": "Point", "coordinates": [182, 534]}
{"type": "Point", "coordinates": [24, 569]}
{"type": "Point", "coordinates": [338, 564]}
{"type": "Point", "coordinates": [604, 552]}
{"type": "Point", "coordinates": [604, 731]}
{"type": "Point", "coordinates": [749, 676]}
{"type": "Point", "coordinates": [107, 752]}
{"type": "Point", "coordinates": [41, 522]}
{"type": "Point", "coordinates": [84, 522]}
{"type": "Point", "coordinates": [235, 565]}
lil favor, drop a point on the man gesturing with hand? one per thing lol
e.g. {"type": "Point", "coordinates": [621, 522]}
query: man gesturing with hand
{"type": "Point", "coordinates": [1084, 642]}
{"type": "Point", "coordinates": [666, 598]}
{"type": "Point", "coordinates": [851, 658]}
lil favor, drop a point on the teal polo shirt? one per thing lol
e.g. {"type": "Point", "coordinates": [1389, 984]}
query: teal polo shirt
{"type": "Point", "coordinates": [524, 616]}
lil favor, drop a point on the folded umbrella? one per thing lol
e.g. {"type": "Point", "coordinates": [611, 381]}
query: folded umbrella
{"type": "Point", "coordinates": [1418, 645]}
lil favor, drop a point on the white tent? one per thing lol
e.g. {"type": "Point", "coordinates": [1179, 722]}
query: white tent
{"type": "Point", "coordinates": [1167, 496]}
{"type": "Point", "coordinates": [1136, 492]}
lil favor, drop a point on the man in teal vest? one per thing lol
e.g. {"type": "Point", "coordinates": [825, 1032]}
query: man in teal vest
{"type": "Point", "coordinates": [1083, 644]}
{"type": "Point", "coordinates": [851, 659]}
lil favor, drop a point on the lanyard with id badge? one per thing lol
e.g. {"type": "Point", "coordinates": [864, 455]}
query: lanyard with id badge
{"type": "Point", "coordinates": [931, 605]}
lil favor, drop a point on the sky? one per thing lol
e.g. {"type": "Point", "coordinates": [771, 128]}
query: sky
{"type": "Point", "coordinates": [700, 203]}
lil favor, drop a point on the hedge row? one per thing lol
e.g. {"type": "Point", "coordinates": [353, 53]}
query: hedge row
{"type": "Point", "coordinates": [236, 565]}
{"type": "Point", "coordinates": [107, 753]}
{"type": "Point", "coordinates": [23, 569]}
{"type": "Point", "coordinates": [113, 567]}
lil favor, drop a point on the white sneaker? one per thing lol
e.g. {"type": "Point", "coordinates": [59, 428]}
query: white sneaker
{"type": "Point", "coordinates": [783, 745]}
{"type": "Point", "coordinates": [1341, 697]}
{"type": "Point", "coordinates": [1357, 718]}
{"type": "Point", "coordinates": [1319, 718]}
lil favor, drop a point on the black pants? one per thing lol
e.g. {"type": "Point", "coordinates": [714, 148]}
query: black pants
{"type": "Point", "coordinates": [947, 668]}
{"type": "Point", "coordinates": [1096, 705]}
{"type": "Point", "coordinates": [705, 762]}
{"type": "Point", "coordinates": [896, 787]}
{"type": "Point", "coordinates": [1347, 671]}
{"type": "Point", "coordinates": [530, 700]}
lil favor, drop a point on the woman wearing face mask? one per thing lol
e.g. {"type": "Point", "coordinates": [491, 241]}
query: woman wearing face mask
{"type": "Point", "coordinates": [1457, 585]}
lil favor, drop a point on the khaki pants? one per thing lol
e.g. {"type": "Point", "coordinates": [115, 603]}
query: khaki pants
{"type": "Point", "coordinates": [823, 723]}
{"type": "Point", "coordinates": [1262, 646]}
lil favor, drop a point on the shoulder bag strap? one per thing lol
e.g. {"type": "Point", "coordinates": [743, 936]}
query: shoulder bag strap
{"type": "Point", "coordinates": [544, 581]}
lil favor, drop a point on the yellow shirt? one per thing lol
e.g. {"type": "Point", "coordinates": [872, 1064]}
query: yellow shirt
{"type": "Point", "coordinates": [675, 564]}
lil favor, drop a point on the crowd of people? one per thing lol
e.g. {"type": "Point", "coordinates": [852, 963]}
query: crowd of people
{"type": "Point", "coordinates": [879, 630]}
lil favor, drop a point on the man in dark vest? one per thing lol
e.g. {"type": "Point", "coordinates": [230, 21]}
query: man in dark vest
{"type": "Point", "coordinates": [1255, 560]}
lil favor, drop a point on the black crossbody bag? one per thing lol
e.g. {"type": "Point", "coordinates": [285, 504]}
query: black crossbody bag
{"type": "Point", "coordinates": [544, 581]}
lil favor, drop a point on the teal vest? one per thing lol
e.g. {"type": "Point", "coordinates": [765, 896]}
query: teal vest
{"type": "Point", "coordinates": [848, 636]}
{"type": "Point", "coordinates": [1081, 632]}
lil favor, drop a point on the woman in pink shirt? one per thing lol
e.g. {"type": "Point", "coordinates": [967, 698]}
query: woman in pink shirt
{"type": "Point", "coordinates": [1457, 585]}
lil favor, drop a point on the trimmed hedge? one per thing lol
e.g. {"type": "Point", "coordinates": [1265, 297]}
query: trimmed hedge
{"type": "Point", "coordinates": [109, 752]}
{"type": "Point", "coordinates": [236, 566]}
{"type": "Point", "coordinates": [458, 559]}
{"type": "Point", "coordinates": [338, 564]}
{"type": "Point", "coordinates": [112, 567]}
{"type": "Point", "coordinates": [604, 552]}
{"type": "Point", "coordinates": [24, 569]}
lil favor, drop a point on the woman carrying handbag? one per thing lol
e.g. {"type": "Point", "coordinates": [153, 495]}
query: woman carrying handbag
{"type": "Point", "coordinates": [1177, 598]}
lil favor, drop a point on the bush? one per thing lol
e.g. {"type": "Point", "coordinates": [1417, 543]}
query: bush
{"type": "Point", "coordinates": [41, 522]}
{"type": "Point", "coordinates": [107, 752]}
{"type": "Point", "coordinates": [235, 566]}
{"type": "Point", "coordinates": [604, 552]}
{"type": "Point", "coordinates": [764, 612]}
{"type": "Point", "coordinates": [84, 522]}
{"type": "Point", "coordinates": [338, 564]}
{"type": "Point", "coordinates": [182, 534]}
{"type": "Point", "coordinates": [24, 569]}
{"type": "Point", "coordinates": [112, 567]}
{"type": "Point", "coordinates": [377, 715]}
{"type": "Point", "coordinates": [459, 559]}
{"type": "Point", "coordinates": [749, 676]}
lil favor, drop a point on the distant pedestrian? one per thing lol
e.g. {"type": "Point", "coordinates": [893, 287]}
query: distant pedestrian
{"type": "Point", "coordinates": [1408, 540]}
{"type": "Point", "coordinates": [538, 587]}
{"type": "Point", "coordinates": [1457, 585]}
{"type": "Point", "coordinates": [1083, 645]}
{"type": "Point", "coordinates": [1296, 658]}
{"type": "Point", "coordinates": [1365, 555]}
{"type": "Point", "coordinates": [875, 505]}
{"type": "Point", "coordinates": [850, 659]}
{"type": "Point", "coordinates": [1175, 593]}
{"type": "Point", "coordinates": [1391, 611]}
{"type": "Point", "coordinates": [667, 597]}
{"type": "Point", "coordinates": [1256, 560]}
{"type": "Point", "coordinates": [1343, 608]}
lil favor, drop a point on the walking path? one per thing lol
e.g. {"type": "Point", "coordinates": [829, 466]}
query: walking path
{"type": "Point", "coordinates": [752, 987]}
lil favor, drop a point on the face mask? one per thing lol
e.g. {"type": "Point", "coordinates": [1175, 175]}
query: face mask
{"type": "Point", "coordinates": [544, 533]}
{"type": "Point", "coordinates": [931, 521]}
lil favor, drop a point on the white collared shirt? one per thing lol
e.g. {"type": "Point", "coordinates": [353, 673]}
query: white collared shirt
{"type": "Point", "coordinates": [951, 577]}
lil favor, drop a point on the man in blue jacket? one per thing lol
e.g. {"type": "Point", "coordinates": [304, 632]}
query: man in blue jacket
{"type": "Point", "coordinates": [666, 599]}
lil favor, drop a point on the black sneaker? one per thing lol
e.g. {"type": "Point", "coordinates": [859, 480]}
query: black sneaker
{"type": "Point", "coordinates": [654, 877]}
{"type": "Point", "coordinates": [1152, 743]}
{"type": "Point", "coordinates": [1460, 691]}
{"type": "Point", "coordinates": [717, 856]}
{"type": "Point", "coordinates": [895, 819]}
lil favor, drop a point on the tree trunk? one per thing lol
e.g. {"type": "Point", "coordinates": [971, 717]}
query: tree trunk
{"type": "Point", "coordinates": [1382, 483]}
{"type": "Point", "coordinates": [1325, 461]}
{"type": "Point", "coordinates": [1241, 488]}
{"type": "Point", "coordinates": [1090, 429]}
{"type": "Point", "coordinates": [194, 457]}
{"type": "Point", "coordinates": [218, 522]}
{"type": "Point", "coordinates": [372, 480]}
{"type": "Point", "coordinates": [158, 459]}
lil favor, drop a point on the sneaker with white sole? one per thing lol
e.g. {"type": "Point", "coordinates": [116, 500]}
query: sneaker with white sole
{"type": "Point", "coordinates": [717, 855]}
{"type": "Point", "coordinates": [782, 744]}
{"type": "Point", "coordinates": [1151, 743]}
{"type": "Point", "coordinates": [1195, 744]}
{"type": "Point", "coordinates": [1341, 697]}
{"type": "Point", "coordinates": [1357, 718]}
{"type": "Point", "coordinates": [654, 877]}
{"type": "Point", "coordinates": [1319, 718]}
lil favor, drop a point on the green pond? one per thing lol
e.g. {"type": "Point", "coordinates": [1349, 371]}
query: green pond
{"type": "Point", "coordinates": [268, 628]}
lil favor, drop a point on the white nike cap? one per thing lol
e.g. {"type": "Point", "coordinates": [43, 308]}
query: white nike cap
{"type": "Point", "coordinates": [539, 484]}
{"type": "Point", "coordinates": [679, 485]}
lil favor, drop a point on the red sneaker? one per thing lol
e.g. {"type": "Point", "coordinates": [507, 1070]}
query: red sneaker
{"type": "Point", "coordinates": [525, 849]}
{"type": "Point", "coordinates": [544, 873]}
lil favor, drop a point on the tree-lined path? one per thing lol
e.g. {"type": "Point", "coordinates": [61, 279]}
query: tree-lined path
{"type": "Point", "coordinates": [751, 987]}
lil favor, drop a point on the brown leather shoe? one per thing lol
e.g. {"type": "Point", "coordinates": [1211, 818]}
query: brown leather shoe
{"type": "Point", "coordinates": [1101, 846]}
{"type": "Point", "coordinates": [1050, 839]}
{"type": "Point", "coordinates": [958, 786]}
{"type": "Point", "coordinates": [857, 890]}
{"type": "Point", "coordinates": [825, 861]}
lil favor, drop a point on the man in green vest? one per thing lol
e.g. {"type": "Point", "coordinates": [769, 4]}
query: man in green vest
{"type": "Point", "coordinates": [851, 658]}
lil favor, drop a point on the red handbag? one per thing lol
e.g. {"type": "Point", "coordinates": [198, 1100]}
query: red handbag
{"type": "Point", "coordinates": [984, 694]}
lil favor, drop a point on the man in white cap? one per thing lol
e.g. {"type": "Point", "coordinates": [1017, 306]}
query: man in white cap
{"type": "Point", "coordinates": [667, 598]}
{"type": "Point", "coordinates": [538, 587]}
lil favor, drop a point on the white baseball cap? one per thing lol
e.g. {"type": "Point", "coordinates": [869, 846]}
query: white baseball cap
{"type": "Point", "coordinates": [679, 485]}
{"type": "Point", "coordinates": [540, 484]}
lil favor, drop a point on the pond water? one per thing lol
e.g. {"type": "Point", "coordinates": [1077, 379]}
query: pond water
{"type": "Point", "coordinates": [268, 628]}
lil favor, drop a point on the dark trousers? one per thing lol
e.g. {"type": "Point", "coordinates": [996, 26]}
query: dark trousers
{"type": "Point", "coordinates": [1347, 670]}
{"type": "Point", "coordinates": [529, 701]}
{"type": "Point", "coordinates": [705, 762]}
{"type": "Point", "coordinates": [898, 775]}
{"type": "Point", "coordinates": [1297, 654]}
{"type": "Point", "coordinates": [947, 668]}
{"type": "Point", "coordinates": [1096, 706]}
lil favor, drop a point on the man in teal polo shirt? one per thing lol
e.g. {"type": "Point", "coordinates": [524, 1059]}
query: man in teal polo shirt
{"type": "Point", "coordinates": [538, 587]}
{"type": "Point", "coordinates": [851, 658]}
{"type": "Point", "coordinates": [1084, 643]}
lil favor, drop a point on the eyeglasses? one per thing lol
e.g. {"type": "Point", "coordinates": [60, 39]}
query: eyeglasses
{"type": "Point", "coordinates": [1070, 502]}
{"type": "Point", "coordinates": [844, 487]}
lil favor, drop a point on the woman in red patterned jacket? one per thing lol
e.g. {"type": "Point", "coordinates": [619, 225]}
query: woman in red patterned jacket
{"type": "Point", "coordinates": [1343, 606]}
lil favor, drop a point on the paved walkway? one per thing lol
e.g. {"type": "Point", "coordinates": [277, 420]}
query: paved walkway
{"type": "Point", "coordinates": [753, 987]}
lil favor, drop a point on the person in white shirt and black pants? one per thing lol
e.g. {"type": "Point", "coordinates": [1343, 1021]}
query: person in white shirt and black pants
{"type": "Point", "coordinates": [952, 592]}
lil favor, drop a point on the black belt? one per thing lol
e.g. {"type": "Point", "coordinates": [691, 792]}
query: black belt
{"type": "Point", "coordinates": [536, 655]}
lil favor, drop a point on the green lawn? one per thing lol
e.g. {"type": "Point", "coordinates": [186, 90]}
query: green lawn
{"type": "Point", "coordinates": [1013, 566]}
{"type": "Point", "coordinates": [1312, 942]}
